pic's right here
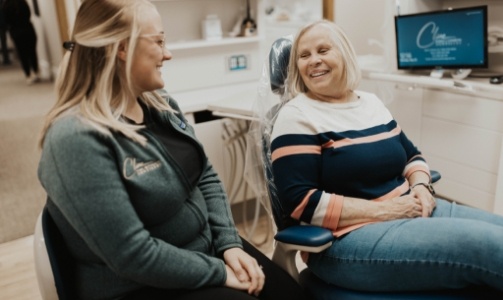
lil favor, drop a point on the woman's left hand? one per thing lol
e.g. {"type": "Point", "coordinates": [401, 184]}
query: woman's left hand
{"type": "Point", "coordinates": [428, 202]}
{"type": "Point", "coordinates": [246, 269]}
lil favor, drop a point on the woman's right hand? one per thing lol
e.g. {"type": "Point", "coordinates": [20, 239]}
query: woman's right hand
{"type": "Point", "coordinates": [233, 282]}
{"type": "Point", "coordinates": [357, 211]}
{"type": "Point", "coordinates": [404, 207]}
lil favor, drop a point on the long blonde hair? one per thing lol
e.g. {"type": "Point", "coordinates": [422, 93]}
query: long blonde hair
{"type": "Point", "coordinates": [92, 81]}
{"type": "Point", "coordinates": [351, 74]}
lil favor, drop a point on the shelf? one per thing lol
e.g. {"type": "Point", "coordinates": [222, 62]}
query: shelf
{"type": "Point", "coordinates": [196, 44]}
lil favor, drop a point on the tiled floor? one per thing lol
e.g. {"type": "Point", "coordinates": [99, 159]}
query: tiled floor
{"type": "Point", "coordinates": [17, 270]}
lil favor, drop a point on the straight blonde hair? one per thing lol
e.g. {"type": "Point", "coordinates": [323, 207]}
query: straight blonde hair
{"type": "Point", "coordinates": [351, 70]}
{"type": "Point", "coordinates": [92, 82]}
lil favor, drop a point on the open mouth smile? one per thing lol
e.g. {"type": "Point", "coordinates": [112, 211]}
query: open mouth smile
{"type": "Point", "coordinates": [317, 74]}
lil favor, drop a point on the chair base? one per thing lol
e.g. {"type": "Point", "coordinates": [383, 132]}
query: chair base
{"type": "Point", "coordinates": [320, 290]}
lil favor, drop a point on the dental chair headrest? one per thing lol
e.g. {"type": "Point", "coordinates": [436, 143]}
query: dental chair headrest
{"type": "Point", "coordinates": [278, 63]}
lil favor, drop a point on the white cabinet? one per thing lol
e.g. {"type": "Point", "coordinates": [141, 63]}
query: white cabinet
{"type": "Point", "coordinates": [406, 104]}
{"type": "Point", "coordinates": [461, 137]}
{"type": "Point", "coordinates": [224, 143]}
{"type": "Point", "coordinates": [208, 133]}
{"type": "Point", "coordinates": [403, 101]}
{"type": "Point", "coordinates": [458, 126]}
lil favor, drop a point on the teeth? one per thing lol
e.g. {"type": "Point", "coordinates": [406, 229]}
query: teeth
{"type": "Point", "coordinates": [319, 74]}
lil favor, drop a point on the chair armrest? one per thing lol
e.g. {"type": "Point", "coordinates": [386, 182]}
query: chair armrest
{"type": "Point", "coordinates": [435, 176]}
{"type": "Point", "coordinates": [299, 238]}
{"type": "Point", "coordinates": [305, 236]}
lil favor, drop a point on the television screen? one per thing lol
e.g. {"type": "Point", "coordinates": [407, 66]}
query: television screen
{"type": "Point", "coordinates": [450, 39]}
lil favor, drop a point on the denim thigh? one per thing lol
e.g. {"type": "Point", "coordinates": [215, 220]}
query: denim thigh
{"type": "Point", "coordinates": [458, 246]}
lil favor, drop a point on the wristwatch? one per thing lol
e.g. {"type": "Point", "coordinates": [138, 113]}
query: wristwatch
{"type": "Point", "coordinates": [427, 185]}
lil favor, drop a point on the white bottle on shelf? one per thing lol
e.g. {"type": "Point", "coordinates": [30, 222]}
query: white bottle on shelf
{"type": "Point", "coordinates": [211, 27]}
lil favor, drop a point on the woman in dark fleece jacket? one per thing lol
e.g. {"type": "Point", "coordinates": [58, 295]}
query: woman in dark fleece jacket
{"type": "Point", "coordinates": [140, 207]}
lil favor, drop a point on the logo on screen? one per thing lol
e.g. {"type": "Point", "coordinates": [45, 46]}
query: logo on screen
{"type": "Point", "coordinates": [429, 35]}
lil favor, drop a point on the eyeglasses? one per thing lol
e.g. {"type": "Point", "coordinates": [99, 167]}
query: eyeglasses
{"type": "Point", "coordinates": [159, 39]}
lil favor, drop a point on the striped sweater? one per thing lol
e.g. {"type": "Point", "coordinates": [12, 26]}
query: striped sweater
{"type": "Point", "coordinates": [322, 152]}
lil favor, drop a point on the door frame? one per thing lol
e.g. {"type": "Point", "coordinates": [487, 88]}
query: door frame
{"type": "Point", "coordinates": [328, 9]}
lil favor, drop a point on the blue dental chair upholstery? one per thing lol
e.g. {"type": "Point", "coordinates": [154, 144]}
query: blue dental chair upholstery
{"type": "Point", "coordinates": [291, 239]}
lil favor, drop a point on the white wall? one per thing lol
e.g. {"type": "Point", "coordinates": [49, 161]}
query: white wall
{"type": "Point", "coordinates": [285, 17]}
{"type": "Point", "coordinates": [49, 35]}
{"type": "Point", "coordinates": [364, 20]}
{"type": "Point", "coordinates": [71, 11]}
{"type": "Point", "coordinates": [369, 24]}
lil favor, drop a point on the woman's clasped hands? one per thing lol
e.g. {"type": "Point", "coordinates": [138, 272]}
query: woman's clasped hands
{"type": "Point", "coordinates": [243, 271]}
{"type": "Point", "coordinates": [426, 199]}
{"type": "Point", "coordinates": [418, 203]}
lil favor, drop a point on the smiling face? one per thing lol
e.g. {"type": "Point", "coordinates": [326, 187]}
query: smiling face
{"type": "Point", "coordinates": [320, 65]}
{"type": "Point", "coordinates": [149, 54]}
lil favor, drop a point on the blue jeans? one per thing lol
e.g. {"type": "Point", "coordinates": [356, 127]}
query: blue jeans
{"type": "Point", "coordinates": [456, 247]}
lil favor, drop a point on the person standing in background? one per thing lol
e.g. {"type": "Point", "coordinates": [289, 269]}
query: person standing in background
{"type": "Point", "coordinates": [17, 18]}
{"type": "Point", "coordinates": [3, 37]}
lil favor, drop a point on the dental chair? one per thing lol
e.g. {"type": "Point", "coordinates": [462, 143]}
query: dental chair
{"type": "Point", "coordinates": [292, 239]}
{"type": "Point", "coordinates": [53, 262]}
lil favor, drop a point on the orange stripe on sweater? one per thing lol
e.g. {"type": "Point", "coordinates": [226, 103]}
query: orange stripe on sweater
{"type": "Point", "coordinates": [300, 208]}
{"type": "Point", "coordinates": [333, 213]}
{"type": "Point", "coordinates": [419, 168]}
{"type": "Point", "coordinates": [363, 140]}
{"type": "Point", "coordinates": [396, 192]}
{"type": "Point", "coordinates": [292, 150]}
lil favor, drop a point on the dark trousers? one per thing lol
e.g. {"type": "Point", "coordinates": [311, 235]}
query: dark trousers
{"type": "Point", "coordinates": [278, 285]}
{"type": "Point", "coordinates": [3, 45]}
{"type": "Point", "coordinates": [25, 41]}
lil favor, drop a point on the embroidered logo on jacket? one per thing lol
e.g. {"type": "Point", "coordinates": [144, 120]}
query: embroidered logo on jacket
{"type": "Point", "coordinates": [132, 168]}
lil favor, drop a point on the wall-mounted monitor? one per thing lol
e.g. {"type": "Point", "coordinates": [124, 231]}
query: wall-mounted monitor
{"type": "Point", "coordinates": [448, 39]}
